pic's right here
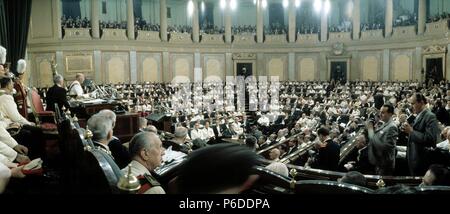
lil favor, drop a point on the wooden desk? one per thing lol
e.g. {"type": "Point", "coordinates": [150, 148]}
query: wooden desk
{"type": "Point", "coordinates": [127, 125]}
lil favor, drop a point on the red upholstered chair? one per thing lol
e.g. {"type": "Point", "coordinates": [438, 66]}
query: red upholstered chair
{"type": "Point", "coordinates": [38, 111]}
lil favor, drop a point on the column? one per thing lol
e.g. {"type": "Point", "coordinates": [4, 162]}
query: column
{"type": "Point", "coordinates": [167, 74]}
{"type": "Point", "coordinates": [388, 18]}
{"type": "Point", "coordinates": [97, 66]}
{"type": "Point", "coordinates": [356, 19]}
{"type": "Point", "coordinates": [57, 10]}
{"type": "Point", "coordinates": [95, 19]}
{"type": "Point", "coordinates": [195, 24]}
{"type": "Point", "coordinates": [130, 20]}
{"type": "Point", "coordinates": [323, 26]}
{"type": "Point", "coordinates": [229, 67]}
{"type": "Point", "coordinates": [163, 20]}
{"type": "Point", "coordinates": [291, 14]}
{"type": "Point", "coordinates": [259, 22]}
{"type": "Point", "coordinates": [386, 65]}
{"type": "Point", "coordinates": [133, 67]}
{"type": "Point", "coordinates": [291, 66]}
{"type": "Point", "coordinates": [227, 14]}
{"type": "Point", "coordinates": [417, 66]}
{"type": "Point", "coordinates": [422, 17]}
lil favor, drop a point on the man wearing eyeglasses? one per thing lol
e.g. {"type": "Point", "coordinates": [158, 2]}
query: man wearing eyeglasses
{"type": "Point", "coordinates": [423, 135]}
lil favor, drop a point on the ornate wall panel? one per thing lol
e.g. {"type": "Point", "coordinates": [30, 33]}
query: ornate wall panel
{"type": "Point", "coordinates": [149, 67]}
{"type": "Point", "coordinates": [43, 76]}
{"type": "Point", "coordinates": [306, 69]}
{"type": "Point", "coordinates": [115, 67]}
{"type": "Point", "coordinates": [370, 68]}
{"type": "Point", "coordinates": [213, 65]}
{"type": "Point", "coordinates": [182, 65]}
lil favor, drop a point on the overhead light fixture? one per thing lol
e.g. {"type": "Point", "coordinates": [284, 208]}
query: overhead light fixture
{"type": "Point", "coordinates": [254, 2]}
{"type": "Point", "coordinates": [233, 4]}
{"type": "Point", "coordinates": [203, 6]}
{"type": "Point", "coordinates": [285, 3]}
{"type": "Point", "coordinates": [264, 4]}
{"type": "Point", "coordinates": [350, 9]}
{"type": "Point", "coordinates": [327, 6]}
{"type": "Point", "coordinates": [317, 5]}
{"type": "Point", "coordinates": [190, 8]}
{"type": "Point", "coordinates": [297, 3]}
{"type": "Point", "coordinates": [223, 4]}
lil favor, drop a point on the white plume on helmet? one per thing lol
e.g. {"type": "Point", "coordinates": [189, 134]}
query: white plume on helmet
{"type": "Point", "coordinates": [2, 55]}
{"type": "Point", "coordinates": [21, 66]}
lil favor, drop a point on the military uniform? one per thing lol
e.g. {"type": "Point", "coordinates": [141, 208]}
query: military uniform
{"type": "Point", "coordinates": [149, 185]}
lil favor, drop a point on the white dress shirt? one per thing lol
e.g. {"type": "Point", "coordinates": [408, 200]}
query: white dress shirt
{"type": "Point", "coordinates": [196, 133]}
{"type": "Point", "coordinates": [209, 133]}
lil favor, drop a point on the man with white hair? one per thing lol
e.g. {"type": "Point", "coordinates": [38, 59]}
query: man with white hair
{"type": "Point", "coordinates": [181, 134]}
{"type": "Point", "coordinates": [102, 130]}
{"type": "Point", "coordinates": [279, 168]}
{"type": "Point", "coordinates": [57, 94]}
{"type": "Point", "coordinates": [146, 151]}
{"type": "Point", "coordinates": [118, 151]}
{"type": "Point", "coordinates": [75, 87]}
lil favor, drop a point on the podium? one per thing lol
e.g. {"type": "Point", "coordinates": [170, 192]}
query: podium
{"type": "Point", "coordinates": [127, 125]}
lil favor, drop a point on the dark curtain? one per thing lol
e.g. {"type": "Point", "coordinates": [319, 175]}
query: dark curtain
{"type": "Point", "coordinates": [17, 16]}
{"type": "Point", "coordinates": [137, 7]}
{"type": "Point", "coordinates": [276, 14]}
{"type": "Point", "coordinates": [3, 31]}
{"type": "Point", "coordinates": [71, 8]}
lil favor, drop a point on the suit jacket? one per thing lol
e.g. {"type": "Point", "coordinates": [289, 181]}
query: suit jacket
{"type": "Point", "coordinates": [382, 145]}
{"type": "Point", "coordinates": [328, 157]}
{"type": "Point", "coordinates": [56, 94]}
{"type": "Point", "coordinates": [119, 152]}
{"type": "Point", "coordinates": [378, 99]}
{"type": "Point", "coordinates": [424, 137]}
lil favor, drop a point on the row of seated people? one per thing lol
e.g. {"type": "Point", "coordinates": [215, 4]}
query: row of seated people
{"type": "Point", "coordinates": [438, 17]}
{"type": "Point", "coordinates": [21, 140]}
{"type": "Point", "coordinates": [372, 26]}
{"type": "Point", "coordinates": [77, 22]}
{"type": "Point", "coordinates": [405, 20]}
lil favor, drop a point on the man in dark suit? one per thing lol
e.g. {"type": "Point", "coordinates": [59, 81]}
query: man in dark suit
{"type": "Point", "coordinates": [360, 157]}
{"type": "Point", "coordinates": [382, 142]}
{"type": "Point", "coordinates": [329, 151]}
{"type": "Point", "coordinates": [423, 135]}
{"type": "Point", "coordinates": [378, 99]}
{"type": "Point", "coordinates": [57, 94]}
